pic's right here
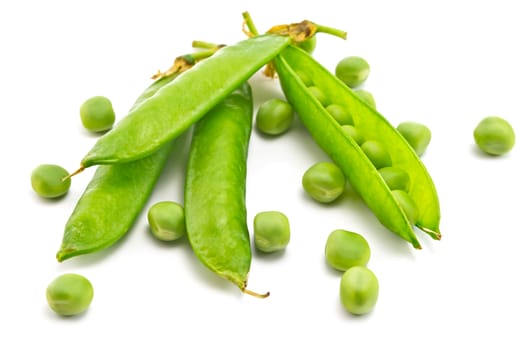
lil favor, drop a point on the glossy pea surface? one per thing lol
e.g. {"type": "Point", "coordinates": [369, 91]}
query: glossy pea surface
{"type": "Point", "coordinates": [97, 114]}
{"type": "Point", "coordinates": [340, 114]}
{"type": "Point", "coordinates": [377, 153]}
{"type": "Point", "coordinates": [271, 231]}
{"type": "Point", "coordinates": [274, 117]}
{"type": "Point", "coordinates": [324, 182]}
{"type": "Point", "coordinates": [352, 132]}
{"type": "Point", "coordinates": [319, 95]}
{"type": "Point", "coordinates": [47, 180]}
{"type": "Point", "coordinates": [359, 290]}
{"type": "Point", "coordinates": [344, 249]}
{"type": "Point", "coordinates": [166, 220]}
{"type": "Point", "coordinates": [494, 135]}
{"type": "Point", "coordinates": [352, 70]}
{"type": "Point", "coordinates": [417, 135]}
{"type": "Point", "coordinates": [407, 203]}
{"type": "Point", "coordinates": [396, 178]}
{"type": "Point", "coordinates": [69, 294]}
{"type": "Point", "coordinates": [366, 96]}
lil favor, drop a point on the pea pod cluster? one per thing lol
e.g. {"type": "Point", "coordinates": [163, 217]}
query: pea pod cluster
{"type": "Point", "coordinates": [299, 74]}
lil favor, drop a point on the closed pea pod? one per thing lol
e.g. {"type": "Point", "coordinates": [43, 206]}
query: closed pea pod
{"type": "Point", "coordinates": [158, 120]}
{"type": "Point", "coordinates": [214, 199]}
{"type": "Point", "coordinates": [113, 198]}
{"type": "Point", "coordinates": [348, 155]}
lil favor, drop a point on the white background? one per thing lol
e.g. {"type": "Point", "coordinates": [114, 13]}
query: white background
{"type": "Point", "coordinates": [444, 63]}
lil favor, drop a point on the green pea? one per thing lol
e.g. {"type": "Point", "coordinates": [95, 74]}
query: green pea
{"type": "Point", "coordinates": [359, 290]}
{"type": "Point", "coordinates": [396, 178]}
{"type": "Point", "coordinates": [324, 182]}
{"type": "Point", "coordinates": [166, 220]}
{"type": "Point", "coordinates": [318, 94]}
{"type": "Point", "coordinates": [494, 136]}
{"type": "Point", "coordinates": [97, 114]}
{"type": "Point", "coordinates": [340, 114]}
{"type": "Point", "coordinates": [377, 154]}
{"type": "Point", "coordinates": [416, 134]}
{"type": "Point", "coordinates": [49, 181]}
{"type": "Point", "coordinates": [271, 231]}
{"type": "Point", "coordinates": [305, 78]}
{"type": "Point", "coordinates": [353, 133]}
{"type": "Point", "coordinates": [344, 249]}
{"type": "Point", "coordinates": [352, 70]}
{"type": "Point", "coordinates": [407, 203]}
{"type": "Point", "coordinates": [309, 44]}
{"type": "Point", "coordinates": [69, 294]}
{"type": "Point", "coordinates": [366, 96]}
{"type": "Point", "coordinates": [274, 117]}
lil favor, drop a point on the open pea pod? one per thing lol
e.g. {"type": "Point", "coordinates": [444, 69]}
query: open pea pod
{"type": "Point", "coordinates": [293, 63]}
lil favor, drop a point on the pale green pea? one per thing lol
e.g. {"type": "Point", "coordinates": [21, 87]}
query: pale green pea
{"type": "Point", "coordinates": [319, 95]}
{"type": "Point", "coordinates": [416, 134]}
{"type": "Point", "coordinates": [97, 114]}
{"type": "Point", "coordinates": [166, 220]}
{"type": "Point", "coordinates": [50, 181]}
{"type": "Point", "coordinates": [377, 153]}
{"type": "Point", "coordinates": [305, 78]}
{"type": "Point", "coordinates": [396, 178]}
{"type": "Point", "coordinates": [407, 203]}
{"type": "Point", "coordinates": [274, 117]}
{"type": "Point", "coordinates": [69, 294]}
{"type": "Point", "coordinates": [271, 231]}
{"type": "Point", "coordinates": [352, 70]}
{"type": "Point", "coordinates": [494, 136]}
{"type": "Point", "coordinates": [344, 249]}
{"type": "Point", "coordinates": [366, 96]}
{"type": "Point", "coordinates": [324, 182]}
{"type": "Point", "coordinates": [359, 290]}
{"type": "Point", "coordinates": [351, 132]}
{"type": "Point", "coordinates": [340, 114]}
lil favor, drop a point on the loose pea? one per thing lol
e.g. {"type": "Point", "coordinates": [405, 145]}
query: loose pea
{"type": "Point", "coordinates": [396, 178]}
{"type": "Point", "coordinates": [352, 70]}
{"type": "Point", "coordinates": [366, 96]}
{"type": "Point", "coordinates": [407, 203]}
{"type": "Point", "coordinates": [416, 134]}
{"type": "Point", "coordinates": [274, 117]}
{"type": "Point", "coordinates": [344, 249]}
{"type": "Point", "coordinates": [49, 181]}
{"type": "Point", "coordinates": [377, 154]}
{"type": "Point", "coordinates": [359, 290]}
{"type": "Point", "coordinates": [69, 294]}
{"type": "Point", "coordinates": [166, 220]}
{"type": "Point", "coordinates": [309, 44]}
{"type": "Point", "coordinates": [271, 231]}
{"type": "Point", "coordinates": [324, 182]}
{"type": "Point", "coordinates": [97, 114]}
{"type": "Point", "coordinates": [318, 94]}
{"type": "Point", "coordinates": [494, 136]}
{"type": "Point", "coordinates": [353, 133]}
{"type": "Point", "coordinates": [340, 114]}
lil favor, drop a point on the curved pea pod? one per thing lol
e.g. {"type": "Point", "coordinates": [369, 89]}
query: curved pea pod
{"type": "Point", "coordinates": [113, 198]}
{"type": "Point", "coordinates": [214, 200]}
{"type": "Point", "coordinates": [159, 119]}
{"type": "Point", "coordinates": [347, 154]}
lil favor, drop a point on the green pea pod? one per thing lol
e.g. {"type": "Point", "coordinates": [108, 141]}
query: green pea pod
{"type": "Point", "coordinates": [347, 154]}
{"type": "Point", "coordinates": [159, 120]}
{"type": "Point", "coordinates": [214, 200]}
{"type": "Point", "coordinates": [113, 198]}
